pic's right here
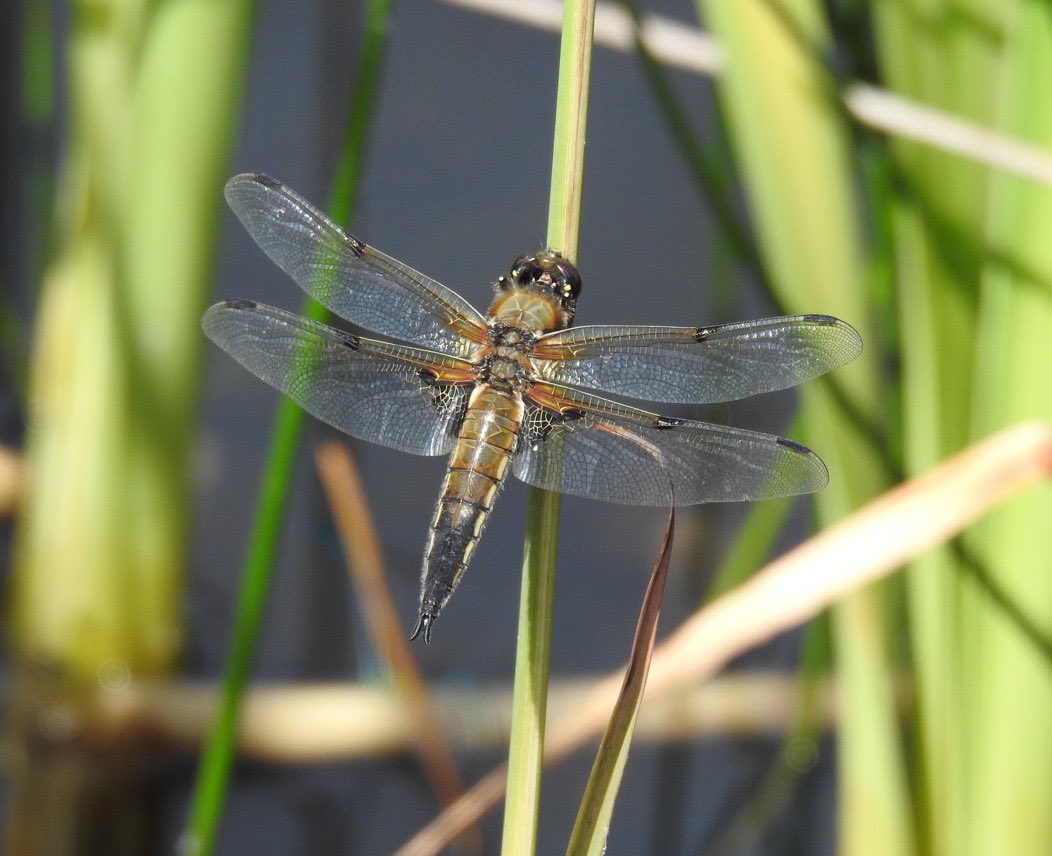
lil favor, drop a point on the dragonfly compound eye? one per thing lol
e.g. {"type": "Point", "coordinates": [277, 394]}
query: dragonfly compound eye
{"type": "Point", "coordinates": [567, 281]}
{"type": "Point", "coordinates": [521, 268]}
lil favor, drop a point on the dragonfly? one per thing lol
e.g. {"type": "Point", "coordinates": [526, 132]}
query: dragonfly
{"type": "Point", "coordinates": [518, 390]}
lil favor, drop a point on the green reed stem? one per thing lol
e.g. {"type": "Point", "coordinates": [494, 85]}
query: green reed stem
{"type": "Point", "coordinates": [214, 774]}
{"type": "Point", "coordinates": [530, 696]}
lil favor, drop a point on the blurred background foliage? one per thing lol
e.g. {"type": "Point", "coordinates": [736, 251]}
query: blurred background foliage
{"type": "Point", "coordinates": [755, 191]}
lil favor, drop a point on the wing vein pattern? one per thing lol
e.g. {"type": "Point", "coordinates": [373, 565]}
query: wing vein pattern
{"type": "Point", "coordinates": [609, 451]}
{"type": "Point", "coordinates": [393, 395]}
{"type": "Point", "coordinates": [698, 365]}
{"type": "Point", "coordinates": [347, 276]}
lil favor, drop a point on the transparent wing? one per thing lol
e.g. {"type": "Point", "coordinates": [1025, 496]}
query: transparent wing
{"type": "Point", "coordinates": [698, 365]}
{"type": "Point", "coordinates": [352, 279]}
{"type": "Point", "coordinates": [394, 395]}
{"type": "Point", "coordinates": [587, 446]}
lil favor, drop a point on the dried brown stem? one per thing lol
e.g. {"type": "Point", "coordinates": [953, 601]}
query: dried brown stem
{"type": "Point", "coordinates": [350, 512]}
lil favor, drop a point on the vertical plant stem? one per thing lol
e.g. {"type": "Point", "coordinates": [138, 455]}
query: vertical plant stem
{"type": "Point", "coordinates": [571, 115]}
{"type": "Point", "coordinates": [792, 143]}
{"type": "Point", "coordinates": [214, 773]}
{"type": "Point", "coordinates": [530, 695]}
{"type": "Point", "coordinates": [100, 559]}
{"type": "Point", "coordinates": [939, 217]}
{"type": "Point", "coordinates": [1008, 746]}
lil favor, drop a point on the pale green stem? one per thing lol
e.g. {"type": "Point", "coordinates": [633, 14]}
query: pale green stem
{"type": "Point", "coordinates": [542, 520]}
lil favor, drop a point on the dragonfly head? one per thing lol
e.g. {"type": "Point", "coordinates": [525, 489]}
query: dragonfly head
{"type": "Point", "coordinates": [548, 274]}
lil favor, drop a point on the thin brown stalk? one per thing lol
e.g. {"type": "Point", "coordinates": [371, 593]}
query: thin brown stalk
{"type": "Point", "coordinates": [343, 488]}
{"type": "Point", "coordinates": [11, 480]}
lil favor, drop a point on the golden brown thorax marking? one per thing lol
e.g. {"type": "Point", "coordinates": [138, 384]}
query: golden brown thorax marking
{"type": "Point", "coordinates": [538, 313]}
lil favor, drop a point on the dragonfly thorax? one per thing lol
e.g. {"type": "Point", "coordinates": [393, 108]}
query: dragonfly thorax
{"type": "Point", "coordinates": [502, 372]}
{"type": "Point", "coordinates": [504, 360]}
{"type": "Point", "coordinates": [510, 340]}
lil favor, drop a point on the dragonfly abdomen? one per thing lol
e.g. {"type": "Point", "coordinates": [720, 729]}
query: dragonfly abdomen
{"type": "Point", "coordinates": [485, 443]}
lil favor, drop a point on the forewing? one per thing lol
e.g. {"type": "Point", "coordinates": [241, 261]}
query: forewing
{"type": "Point", "coordinates": [698, 365]}
{"type": "Point", "coordinates": [352, 279]}
{"type": "Point", "coordinates": [583, 445]}
{"type": "Point", "coordinates": [402, 397]}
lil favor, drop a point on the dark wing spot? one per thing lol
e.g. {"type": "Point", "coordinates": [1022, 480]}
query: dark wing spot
{"type": "Point", "coordinates": [794, 446]}
{"type": "Point", "coordinates": [571, 415]}
{"type": "Point", "coordinates": [702, 333]}
{"type": "Point", "coordinates": [267, 181]}
{"type": "Point", "coordinates": [357, 247]}
{"type": "Point", "coordinates": [240, 304]}
{"type": "Point", "coordinates": [350, 341]}
{"type": "Point", "coordinates": [821, 319]}
{"type": "Point", "coordinates": [667, 422]}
